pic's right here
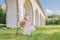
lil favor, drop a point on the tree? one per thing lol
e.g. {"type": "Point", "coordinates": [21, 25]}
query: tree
{"type": "Point", "coordinates": [53, 19]}
{"type": "Point", "coordinates": [2, 15]}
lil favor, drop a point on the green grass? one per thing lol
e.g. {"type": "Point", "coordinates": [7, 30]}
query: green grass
{"type": "Point", "coordinates": [2, 25]}
{"type": "Point", "coordinates": [49, 32]}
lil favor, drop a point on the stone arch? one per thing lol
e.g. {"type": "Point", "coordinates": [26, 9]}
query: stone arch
{"type": "Point", "coordinates": [36, 17]}
{"type": "Point", "coordinates": [28, 8]}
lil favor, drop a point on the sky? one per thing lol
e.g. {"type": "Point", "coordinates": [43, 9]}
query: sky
{"type": "Point", "coordinates": [3, 3]}
{"type": "Point", "coordinates": [50, 6]}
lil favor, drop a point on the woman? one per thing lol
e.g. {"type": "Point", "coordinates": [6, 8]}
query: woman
{"type": "Point", "coordinates": [28, 28]}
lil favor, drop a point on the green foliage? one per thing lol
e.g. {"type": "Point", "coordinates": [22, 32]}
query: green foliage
{"type": "Point", "coordinates": [53, 19]}
{"type": "Point", "coordinates": [2, 15]}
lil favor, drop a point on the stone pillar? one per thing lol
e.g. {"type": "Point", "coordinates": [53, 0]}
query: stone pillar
{"type": "Point", "coordinates": [33, 17]}
{"type": "Point", "coordinates": [39, 19]}
{"type": "Point", "coordinates": [21, 9]}
{"type": "Point", "coordinates": [11, 16]}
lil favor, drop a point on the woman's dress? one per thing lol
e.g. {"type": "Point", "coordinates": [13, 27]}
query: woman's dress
{"type": "Point", "coordinates": [28, 28]}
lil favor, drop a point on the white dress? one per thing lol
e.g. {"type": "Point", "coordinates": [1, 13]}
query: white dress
{"type": "Point", "coordinates": [28, 28]}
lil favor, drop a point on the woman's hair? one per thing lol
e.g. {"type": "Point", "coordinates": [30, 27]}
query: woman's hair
{"type": "Point", "coordinates": [22, 24]}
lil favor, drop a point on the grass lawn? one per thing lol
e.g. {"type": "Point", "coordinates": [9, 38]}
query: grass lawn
{"type": "Point", "coordinates": [49, 32]}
